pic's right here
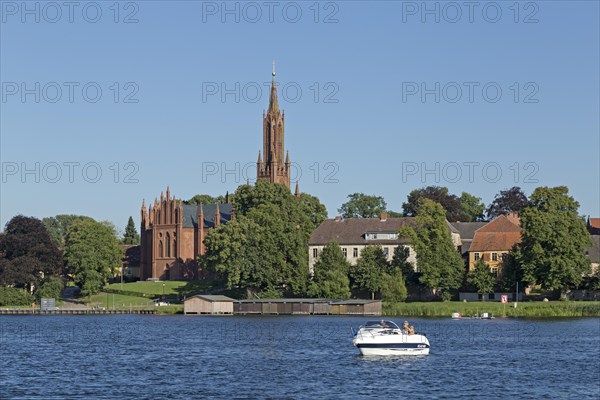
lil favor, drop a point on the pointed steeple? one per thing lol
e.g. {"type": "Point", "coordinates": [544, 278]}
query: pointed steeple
{"type": "Point", "coordinates": [168, 193]}
{"type": "Point", "coordinates": [297, 191]}
{"type": "Point", "coordinates": [143, 204]}
{"type": "Point", "coordinates": [271, 165]}
{"type": "Point", "coordinates": [259, 162]}
{"type": "Point", "coordinates": [273, 103]}
{"type": "Point", "coordinates": [287, 158]}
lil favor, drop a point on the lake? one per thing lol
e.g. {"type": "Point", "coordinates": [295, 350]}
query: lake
{"type": "Point", "coordinates": [300, 357]}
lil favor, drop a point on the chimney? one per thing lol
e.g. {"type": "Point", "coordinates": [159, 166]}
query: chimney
{"type": "Point", "coordinates": [338, 218]}
{"type": "Point", "coordinates": [383, 217]}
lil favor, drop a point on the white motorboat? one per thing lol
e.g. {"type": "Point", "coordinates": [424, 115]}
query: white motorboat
{"type": "Point", "coordinates": [384, 338]}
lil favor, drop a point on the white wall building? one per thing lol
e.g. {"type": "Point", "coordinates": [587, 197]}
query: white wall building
{"type": "Point", "coordinates": [354, 234]}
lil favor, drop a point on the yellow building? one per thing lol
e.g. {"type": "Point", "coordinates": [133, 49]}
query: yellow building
{"type": "Point", "coordinates": [493, 241]}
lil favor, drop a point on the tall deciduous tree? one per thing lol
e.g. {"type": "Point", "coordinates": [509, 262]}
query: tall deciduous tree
{"type": "Point", "coordinates": [29, 255]}
{"type": "Point", "coordinates": [507, 201]}
{"type": "Point", "coordinates": [400, 262]}
{"type": "Point", "coordinates": [512, 272]}
{"type": "Point", "coordinates": [472, 207]}
{"type": "Point", "coordinates": [330, 278]}
{"type": "Point", "coordinates": [481, 278]}
{"type": "Point", "coordinates": [131, 235]}
{"type": "Point", "coordinates": [58, 226]}
{"type": "Point", "coordinates": [361, 205]}
{"type": "Point", "coordinates": [92, 253]}
{"type": "Point", "coordinates": [554, 240]}
{"type": "Point", "coordinates": [266, 248]}
{"type": "Point", "coordinates": [441, 265]}
{"type": "Point", "coordinates": [312, 207]}
{"type": "Point", "coordinates": [449, 202]}
{"type": "Point", "coordinates": [370, 270]}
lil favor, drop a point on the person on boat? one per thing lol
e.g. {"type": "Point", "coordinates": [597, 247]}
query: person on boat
{"type": "Point", "coordinates": [405, 327]}
{"type": "Point", "coordinates": [383, 324]}
{"type": "Point", "coordinates": [411, 330]}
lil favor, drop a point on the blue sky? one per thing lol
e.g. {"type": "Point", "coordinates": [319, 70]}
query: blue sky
{"type": "Point", "coordinates": [376, 93]}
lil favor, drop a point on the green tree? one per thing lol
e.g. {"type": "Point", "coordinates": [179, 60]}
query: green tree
{"type": "Point", "coordinates": [369, 271]}
{"type": "Point", "coordinates": [27, 253]}
{"type": "Point", "coordinates": [441, 265]}
{"type": "Point", "coordinates": [330, 278]}
{"type": "Point", "coordinates": [206, 199]}
{"type": "Point", "coordinates": [393, 288]}
{"type": "Point", "coordinates": [361, 205]}
{"type": "Point", "coordinates": [512, 272]}
{"type": "Point", "coordinates": [400, 262]}
{"type": "Point", "coordinates": [449, 202]}
{"type": "Point", "coordinates": [58, 226]}
{"type": "Point", "coordinates": [312, 207]}
{"type": "Point", "coordinates": [481, 278]}
{"type": "Point", "coordinates": [131, 235]}
{"type": "Point", "coordinates": [472, 207]}
{"type": "Point", "coordinates": [507, 201]}
{"type": "Point", "coordinates": [92, 252]}
{"type": "Point", "coordinates": [554, 240]}
{"type": "Point", "coordinates": [266, 248]}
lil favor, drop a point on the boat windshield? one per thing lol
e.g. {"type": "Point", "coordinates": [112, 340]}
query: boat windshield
{"type": "Point", "coordinates": [381, 324]}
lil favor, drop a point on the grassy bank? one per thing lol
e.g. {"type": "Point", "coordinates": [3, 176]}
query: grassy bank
{"type": "Point", "coordinates": [524, 309]}
{"type": "Point", "coordinates": [120, 302]}
{"type": "Point", "coordinates": [106, 300]}
{"type": "Point", "coordinates": [158, 288]}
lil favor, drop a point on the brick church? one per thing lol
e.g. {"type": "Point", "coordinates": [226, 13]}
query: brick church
{"type": "Point", "coordinates": [172, 233]}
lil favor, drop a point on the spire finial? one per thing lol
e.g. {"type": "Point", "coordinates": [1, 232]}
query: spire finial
{"type": "Point", "coordinates": [273, 73]}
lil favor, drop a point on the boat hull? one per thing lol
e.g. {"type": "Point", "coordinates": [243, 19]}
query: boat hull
{"type": "Point", "coordinates": [391, 344]}
{"type": "Point", "coordinates": [392, 350]}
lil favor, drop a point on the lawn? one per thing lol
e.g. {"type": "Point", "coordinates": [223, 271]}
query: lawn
{"type": "Point", "coordinates": [157, 288]}
{"type": "Point", "coordinates": [105, 300]}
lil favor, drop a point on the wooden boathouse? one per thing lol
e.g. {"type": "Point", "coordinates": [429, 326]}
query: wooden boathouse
{"type": "Point", "coordinates": [307, 307]}
{"type": "Point", "coordinates": [208, 304]}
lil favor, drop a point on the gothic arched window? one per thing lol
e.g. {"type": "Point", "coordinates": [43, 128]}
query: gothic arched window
{"type": "Point", "coordinates": [168, 245]}
{"type": "Point", "coordinates": [160, 249]}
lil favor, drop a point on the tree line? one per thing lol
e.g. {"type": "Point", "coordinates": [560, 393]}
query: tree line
{"type": "Point", "coordinates": [463, 208]}
{"type": "Point", "coordinates": [265, 249]}
{"type": "Point", "coordinates": [38, 257]}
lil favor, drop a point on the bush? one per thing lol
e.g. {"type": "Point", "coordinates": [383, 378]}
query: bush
{"type": "Point", "coordinates": [51, 289]}
{"type": "Point", "coordinates": [10, 296]}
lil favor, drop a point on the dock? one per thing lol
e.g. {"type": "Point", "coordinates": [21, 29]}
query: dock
{"type": "Point", "coordinates": [71, 311]}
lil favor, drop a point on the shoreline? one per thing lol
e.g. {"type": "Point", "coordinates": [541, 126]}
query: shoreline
{"type": "Point", "coordinates": [533, 310]}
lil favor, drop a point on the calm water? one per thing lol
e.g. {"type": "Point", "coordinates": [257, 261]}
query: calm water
{"type": "Point", "coordinates": [177, 357]}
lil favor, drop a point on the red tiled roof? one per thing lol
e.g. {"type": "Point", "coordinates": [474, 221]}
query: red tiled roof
{"type": "Point", "coordinates": [595, 223]}
{"type": "Point", "coordinates": [499, 234]}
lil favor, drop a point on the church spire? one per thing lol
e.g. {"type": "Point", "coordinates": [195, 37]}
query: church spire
{"type": "Point", "coordinates": [271, 165]}
{"type": "Point", "coordinates": [273, 103]}
{"type": "Point", "coordinates": [259, 162]}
